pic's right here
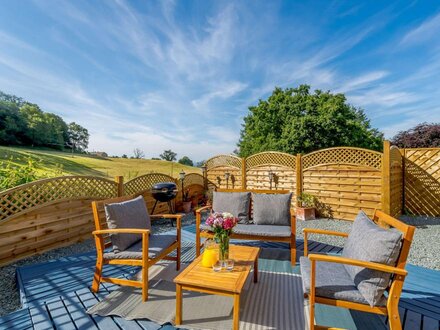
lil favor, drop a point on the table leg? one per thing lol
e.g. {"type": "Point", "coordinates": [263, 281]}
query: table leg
{"type": "Point", "coordinates": [256, 270]}
{"type": "Point", "coordinates": [178, 304]}
{"type": "Point", "coordinates": [236, 318]}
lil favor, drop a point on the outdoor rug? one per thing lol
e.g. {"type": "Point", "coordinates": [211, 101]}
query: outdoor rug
{"type": "Point", "coordinates": [275, 302]}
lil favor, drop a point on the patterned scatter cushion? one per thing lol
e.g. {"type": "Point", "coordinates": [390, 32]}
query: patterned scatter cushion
{"type": "Point", "coordinates": [271, 209]}
{"type": "Point", "coordinates": [369, 242]}
{"type": "Point", "coordinates": [236, 203]}
{"type": "Point", "coordinates": [129, 214]}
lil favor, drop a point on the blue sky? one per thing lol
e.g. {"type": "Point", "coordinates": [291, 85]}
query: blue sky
{"type": "Point", "coordinates": [180, 75]}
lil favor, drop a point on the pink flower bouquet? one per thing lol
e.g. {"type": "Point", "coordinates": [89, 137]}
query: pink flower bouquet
{"type": "Point", "coordinates": [222, 224]}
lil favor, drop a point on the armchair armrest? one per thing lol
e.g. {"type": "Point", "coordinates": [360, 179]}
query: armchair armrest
{"type": "Point", "coordinates": [204, 208]}
{"type": "Point", "coordinates": [355, 262]}
{"type": "Point", "coordinates": [324, 232]}
{"type": "Point", "coordinates": [121, 231]}
{"type": "Point", "coordinates": [166, 216]}
{"type": "Point", "coordinates": [177, 217]}
{"type": "Point", "coordinates": [307, 231]}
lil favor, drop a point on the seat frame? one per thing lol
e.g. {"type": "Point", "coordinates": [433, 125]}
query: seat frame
{"type": "Point", "coordinates": [394, 289]}
{"type": "Point", "coordinates": [103, 241]}
{"type": "Point", "coordinates": [207, 234]}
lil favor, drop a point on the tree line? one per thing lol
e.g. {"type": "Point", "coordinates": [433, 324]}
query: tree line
{"type": "Point", "coordinates": [24, 124]}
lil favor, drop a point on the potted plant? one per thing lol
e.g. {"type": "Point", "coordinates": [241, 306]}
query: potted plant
{"type": "Point", "coordinates": [306, 208]}
{"type": "Point", "coordinates": [186, 205]}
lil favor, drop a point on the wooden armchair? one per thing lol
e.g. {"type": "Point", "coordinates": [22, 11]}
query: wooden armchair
{"type": "Point", "coordinates": [314, 281]}
{"type": "Point", "coordinates": [150, 249]}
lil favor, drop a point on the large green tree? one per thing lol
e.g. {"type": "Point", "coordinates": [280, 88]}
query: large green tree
{"type": "Point", "coordinates": [38, 129]}
{"type": "Point", "coordinates": [168, 155]}
{"type": "Point", "coordinates": [13, 126]}
{"type": "Point", "coordinates": [293, 120]}
{"type": "Point", "coordinates": [185, 160]}
{"type": "Point", "coordinates": [78, 136]}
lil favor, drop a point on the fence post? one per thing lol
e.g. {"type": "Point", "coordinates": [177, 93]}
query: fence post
{"type": "Point", "coordinates": [386, 164]}
{"type": "Point", "coordinates": [243, 173]}
{"type": "Point", "coordinates": [120, 181]}
{"type": "Point", "coordinates": [403, 153]}
{"type": "Point", "coordinates": [298, 177]}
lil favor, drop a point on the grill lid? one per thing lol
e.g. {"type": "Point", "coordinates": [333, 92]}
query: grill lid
{"type": "Point", "coordinates": [164, 191]}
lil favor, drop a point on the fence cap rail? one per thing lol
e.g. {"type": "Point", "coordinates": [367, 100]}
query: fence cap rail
{"type": "Point", "coordinates": [58, 178]}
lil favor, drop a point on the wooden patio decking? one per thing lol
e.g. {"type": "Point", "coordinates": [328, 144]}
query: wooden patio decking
{"type": "Point", "coordinates": [56, 294]}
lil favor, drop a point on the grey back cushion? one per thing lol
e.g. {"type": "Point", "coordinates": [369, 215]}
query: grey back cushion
{"type": "Point", "coordinates": [129, 214]}
{"type": "Point", "coordinates": [369, 242]}
{"type": "Point", "coordinates": [271, 209]}
{"type": "Point", "coordinates": [236, 203]}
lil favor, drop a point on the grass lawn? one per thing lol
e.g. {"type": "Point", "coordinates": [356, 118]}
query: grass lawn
{"type": "Point", "coordinates": [55, 163]}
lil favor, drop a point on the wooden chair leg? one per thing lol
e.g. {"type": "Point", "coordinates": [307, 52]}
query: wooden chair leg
{"type": "Point", "coordinates": [178, 252]}
{"type": "Point", "coordinates": [312, 313]}
{"type": "Point", "coordinates": [394, 318]}
{"type": "Point", "coordinates": [144, 283]}
{"type": "Point", "coordinates": [97, 276]}
{"type": "Point", "coordinates": [197, 242]}
{"type": "Point", "coordinates": [292, 252]}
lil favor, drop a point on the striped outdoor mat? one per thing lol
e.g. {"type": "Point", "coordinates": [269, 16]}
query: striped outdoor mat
{"type": "Point", "coordinates": [275, 302]}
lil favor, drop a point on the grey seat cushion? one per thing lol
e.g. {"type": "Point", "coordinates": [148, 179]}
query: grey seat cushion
{"type": "Point", "coordinates": [263, 230]}
{"type": "Point", "coordinates": [369, 242]}
{"type": "Point", "coordinates": [332, 281]}
{"type": "Point", "coordinates": [236, 203]}
{"type": "Point", "coordinates": [271, 209]}
{"type": "Point", "coordinates": [156, 243]}
{"type": "Point", "coordinates": [129, 214]}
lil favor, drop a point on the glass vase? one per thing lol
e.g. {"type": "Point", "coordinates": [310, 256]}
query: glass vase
{"type": "Point", "coordinates": [223, 248]}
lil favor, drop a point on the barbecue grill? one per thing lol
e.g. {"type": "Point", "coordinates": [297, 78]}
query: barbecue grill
{"type": "Point", "coordinates": [164, 192]}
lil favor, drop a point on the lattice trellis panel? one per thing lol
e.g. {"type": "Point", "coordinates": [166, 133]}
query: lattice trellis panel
{"type": "Point", "coordinates": [223, 161]}
{"type": "Point", "coordinates": [146, 182]}
{"type": "Point", "coordinates": [422, 181]}
{"type": "Point", "coordinates": [192, 179]}
{"type": "Point", "coordinates": [344, 155]}
{"type": "Point", "coordinates": [271, 158]}
{"type": "Point", "coordinates": [45, 192]}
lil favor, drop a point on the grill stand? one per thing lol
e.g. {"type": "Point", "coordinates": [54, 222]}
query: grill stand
{"type": "Point", "coordinates": [170, 210]}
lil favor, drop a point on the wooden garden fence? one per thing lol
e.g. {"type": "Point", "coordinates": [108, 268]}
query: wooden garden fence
{"type": "Point", "coordinates": [344, 179]}
{"type": "Point", "coordinates": [50, 213]}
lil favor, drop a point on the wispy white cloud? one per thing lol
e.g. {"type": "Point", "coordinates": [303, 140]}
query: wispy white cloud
{"type": "Point", "coordinates": [424, 32]}
{"type": "Point", "coordinates": [362, 81]}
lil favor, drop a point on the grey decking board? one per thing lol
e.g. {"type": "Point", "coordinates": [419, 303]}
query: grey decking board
{"type": "Point", "coordinates": [60, 316]}
{"type": "Point", "coordinates": [78, 269]}
{"type": "Point", "coordinates": [430, 324]}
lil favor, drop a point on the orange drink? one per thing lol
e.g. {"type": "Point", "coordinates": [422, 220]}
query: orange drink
{"type": "Point", "coordinates": [210, 256]}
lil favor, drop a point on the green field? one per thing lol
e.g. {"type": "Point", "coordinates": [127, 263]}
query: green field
{"type": "Point", "coordinates": [54, 163]}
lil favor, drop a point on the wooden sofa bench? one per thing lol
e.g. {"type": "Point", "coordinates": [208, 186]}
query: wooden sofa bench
{"type": "Point", "coordinates": [268, 233]}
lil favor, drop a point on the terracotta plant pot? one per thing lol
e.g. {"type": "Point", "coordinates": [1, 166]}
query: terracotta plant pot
{"type": "Point", "coordinates": [305, 213]}
{"type": "Point", "coordinates": [187, 207]}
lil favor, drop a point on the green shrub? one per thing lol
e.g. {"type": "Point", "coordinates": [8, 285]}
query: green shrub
{"type": "Point", "coordinates": [12, 175]}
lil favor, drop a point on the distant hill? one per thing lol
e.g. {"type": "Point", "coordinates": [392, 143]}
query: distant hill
{"type": "Point", "coordinates": [55, 163]}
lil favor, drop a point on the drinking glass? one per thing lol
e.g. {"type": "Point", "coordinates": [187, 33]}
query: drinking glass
{"type": "Point", "coordinates": [217, 266]}
{"type": "Point", "coordinates": [229, 265]}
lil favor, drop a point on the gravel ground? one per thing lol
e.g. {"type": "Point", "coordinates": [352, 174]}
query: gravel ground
{"type": "Point", "coordinates": [425, 250]}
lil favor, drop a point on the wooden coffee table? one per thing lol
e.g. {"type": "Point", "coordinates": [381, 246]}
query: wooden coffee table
{"type": "Point", "coordinates": [226, 283]}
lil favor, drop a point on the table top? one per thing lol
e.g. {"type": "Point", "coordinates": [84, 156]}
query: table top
{"type": "Point", "coordinates": [196, 275]}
